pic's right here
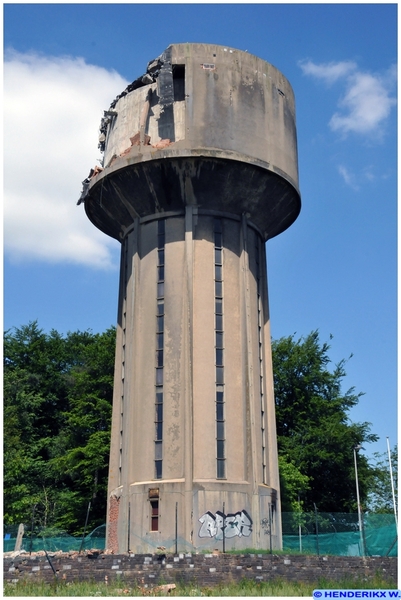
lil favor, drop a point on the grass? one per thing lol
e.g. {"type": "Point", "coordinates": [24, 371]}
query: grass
{"type": "Point", "coordinates": [245, 587]}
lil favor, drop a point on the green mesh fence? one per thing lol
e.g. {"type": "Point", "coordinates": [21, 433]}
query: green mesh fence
{"type": "Point", "coordinates": [53, 540]}
{"type": "Point", "coordinates": [339, 534]}
{"type": "Point", "coordinates": [308, 533]}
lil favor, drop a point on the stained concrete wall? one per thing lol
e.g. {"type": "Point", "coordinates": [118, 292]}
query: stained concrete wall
{"type": "Point", "coordinates": [190, 478]}
{"type": "Point", "coordinates": [234, 101]}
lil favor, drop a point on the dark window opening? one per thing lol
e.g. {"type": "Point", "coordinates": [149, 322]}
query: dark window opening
{"type": "Point", "coordinates": [159, 358]}
{"type": "Point", "coordinates": [154, 509]}
{"type": "Point", "coordinates": [159, 375]}
{"type": "Point", "coordinates": [219, 351]}
{"type": "Point", "coordinates": [219, 322]}
{"type": "Point", "coordinates": [179, 82]}
{"type": "Point", "coordinates": [161, 240]}
{"type": "Point", "coordinates": [160, 324]}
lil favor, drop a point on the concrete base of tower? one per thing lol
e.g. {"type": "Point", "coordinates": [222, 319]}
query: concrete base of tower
{"type": "Point", "coordinates": [167, 516]}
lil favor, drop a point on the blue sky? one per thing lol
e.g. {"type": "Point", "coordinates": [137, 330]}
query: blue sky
{"type": "Point", "coordinates": [334, 270]}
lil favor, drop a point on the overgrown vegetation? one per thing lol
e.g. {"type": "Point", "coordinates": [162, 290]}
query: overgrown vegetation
{"type": "Point", "coordinates": [246, 587]}
{"type": "Point", "coordinates": [315, 436]}
{"type": "Point", "coordinates": [57, 418]}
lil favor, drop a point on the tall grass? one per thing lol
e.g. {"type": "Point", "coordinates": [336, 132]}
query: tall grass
{"type": "Point", "coordinates": [246, 587]}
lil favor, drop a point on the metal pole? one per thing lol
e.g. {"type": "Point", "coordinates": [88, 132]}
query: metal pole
{"type": "Point", "coordinates": [358, 502]}
{"type": "Point", "coordinates": [49, 561]}
{"type": "Point", "coordinates": [299, 527]}
{"type": "Point", "coordinates": [317, 530]}
{"type": "Point", "coordinates": [176, 528]}
{"type": "Point", "coordinates": [31, 541]}
{"type": "Point", "coordinates": [270, 528]}
{"type": "Point", "coordinates": [129, 527]}
{"type": "Point", "coordinates": [224, 528]}
{"type": "Point", "coordinates": [86, 522]}
{"type": "Point", "coordinates": [392, 484]}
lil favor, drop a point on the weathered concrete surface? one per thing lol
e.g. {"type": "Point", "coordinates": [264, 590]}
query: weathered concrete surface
{"type": "Point", "coordinates": [207, 135]}
{"type": "Point", "coordinates": [232, 145]}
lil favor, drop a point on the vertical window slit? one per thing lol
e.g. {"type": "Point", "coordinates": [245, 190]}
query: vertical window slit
{"type": "Point", "coordinates": [159, 366]}
{"type": "Point", "coordinates": [261, 375]}
{"type": "Point", "coordinates": [219, 350]}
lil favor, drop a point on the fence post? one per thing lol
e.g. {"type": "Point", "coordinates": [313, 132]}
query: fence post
{"type": "Point", "coordinates": [317, 530]}
{"type": "Point", "coordinates": [31, 541]}
{"type": "Point", "coordinates": [270, 527]}
{"type": "Point", "coordinates": [86, 522]}
{"type": "Point", "coordinates": [176, 528]}
{"type": "Point", "coordinates": [129, 527]}
{"type": "Point", "coordinates": [224, 528]}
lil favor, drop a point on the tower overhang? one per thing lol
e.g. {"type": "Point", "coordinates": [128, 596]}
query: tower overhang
{"type": "Point", "coordinates": [144, 184]}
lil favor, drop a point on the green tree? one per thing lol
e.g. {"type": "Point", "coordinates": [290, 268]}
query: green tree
{"type": "Point", "coordinates": [82, 448]}
{"type": "Point", "coordinates": [313, 428]}
{"type": "Point", "coordinates": [292, 483]}
{"type": "Point", "coordinates": [57, 412]}
{"type": "Point", "coordinates": [380, 498]}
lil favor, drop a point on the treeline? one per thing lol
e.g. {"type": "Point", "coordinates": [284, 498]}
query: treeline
{"type": "Point", "coordinates": [57, 419]}
{"type": "Point", "coordinates": [57, 416]}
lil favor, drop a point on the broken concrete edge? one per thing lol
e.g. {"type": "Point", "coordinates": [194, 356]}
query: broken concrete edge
{"type": "Point", "coordinates": [135, 141]}
{"type": "Point", "coordinates": [161, 64]}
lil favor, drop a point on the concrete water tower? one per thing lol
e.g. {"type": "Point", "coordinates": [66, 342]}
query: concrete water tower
{"type": "Point", "coordinates": [199, 171]}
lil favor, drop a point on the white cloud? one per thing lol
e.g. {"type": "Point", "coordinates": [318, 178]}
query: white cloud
{"type": "Point", "coordinates": [367, 100]}
{"type": "Point", "coordinates": [348, 177]}
{"type": "Point", "coordinates": [329, 72]}
{"type": "Point", "coordinates": [366, 104]}
{"type": "Point", "coordinates": [52, 111]}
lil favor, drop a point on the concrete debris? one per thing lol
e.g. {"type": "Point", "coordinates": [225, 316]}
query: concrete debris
{"type": "Point", "coordinates": [162, 144]}
{"type": "Point", "coordinates": [166, 588]}
{"type": "Point", "coordinates": [136, 140]}
{"type": "Point", "coordinates": [14, 553]}
{"type": "Point", "coordinates": [92, 553]}
{"type": "Point", "coordinates": [86, 182]}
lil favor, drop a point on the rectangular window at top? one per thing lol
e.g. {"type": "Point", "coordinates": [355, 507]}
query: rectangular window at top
{"type": "Point", "coordinates": [179, 82]}
{"type": "Point", "coordinates": [218, 239]}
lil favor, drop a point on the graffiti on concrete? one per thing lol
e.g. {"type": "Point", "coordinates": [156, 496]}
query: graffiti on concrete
{"type": "Point", "coordinates": [228, 526]}
{"type": "Point", "coordinates": [265, 525]}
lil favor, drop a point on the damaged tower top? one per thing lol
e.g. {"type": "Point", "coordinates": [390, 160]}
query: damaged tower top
{"type": "Point", "coordinates": [202, 117]}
